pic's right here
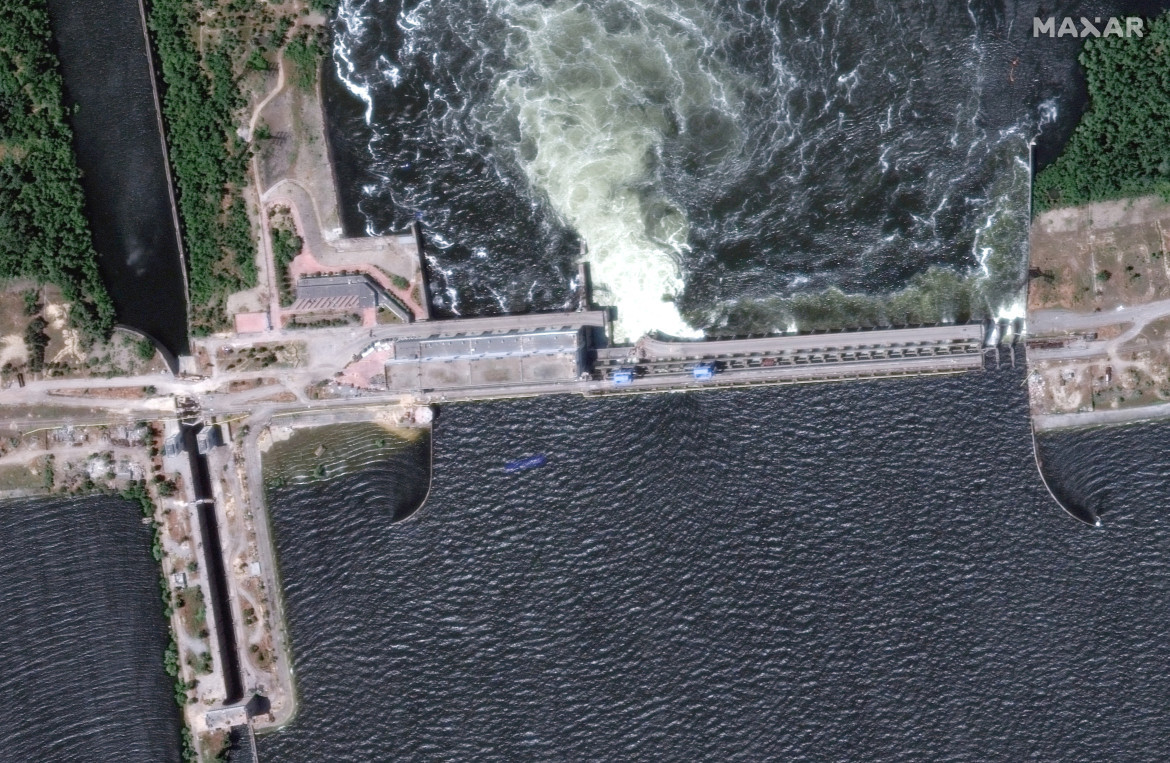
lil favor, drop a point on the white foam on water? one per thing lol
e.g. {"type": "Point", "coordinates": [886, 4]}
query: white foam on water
{"type": "Point", "coordinates": [595, 92]}
{"type": "Point", "coordinates": [352, 16]}
{"type": "Point", "coordinates": [1049, 111]}
{"type": "Point", "coordinates": [998, 242]}
{"type": "Point", "coordinates": [1013, 310]}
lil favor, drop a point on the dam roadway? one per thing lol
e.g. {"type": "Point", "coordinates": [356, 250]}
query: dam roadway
{"type": "Point", "coordinates": [655, 366]}
{"type": "Point", "coordinates": [559, 354]}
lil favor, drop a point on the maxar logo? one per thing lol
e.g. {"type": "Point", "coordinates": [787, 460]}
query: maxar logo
{"type": "Point", "coordinates": [1068, 27]}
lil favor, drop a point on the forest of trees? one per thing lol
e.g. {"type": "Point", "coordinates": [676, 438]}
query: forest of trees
{"type": "Point", "coordinates": [1121, 147]}
{"type": "Point", "coordinates": [209, 160]}
{"type": "Point", "coordinates": [44, 234]}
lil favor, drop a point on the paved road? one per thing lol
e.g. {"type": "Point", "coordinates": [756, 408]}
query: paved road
{"type": "Point", "coordinates": [1046, 322]}
{"type": "Point", "coordinates": [1053, 323]}
{"type": "Point", "coordinates": [771, 375]}
{"type": "Point", "coordinates": [1050, 421]}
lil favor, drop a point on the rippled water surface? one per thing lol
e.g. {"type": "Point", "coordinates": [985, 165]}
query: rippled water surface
{"type": "Point", "coordinates": [862, 571]}
{"type": "Point", "coordinates": [81, 636]}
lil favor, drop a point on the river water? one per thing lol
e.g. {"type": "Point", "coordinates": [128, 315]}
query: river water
{"type": "Point", "coordinates": [81, 635]}
{"type": "Point", "coordinates": [866, 571]}
{"type": "Point", "coordinates": [116, 136]}
{"type": "Point", "coordinates": [853, 572]}
{"type": "Point", "coordinates": [731, 165]}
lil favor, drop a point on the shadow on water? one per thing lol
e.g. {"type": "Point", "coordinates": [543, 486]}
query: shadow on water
{"type": "Point", "coordinates": [400, 478]}
{"type": "Point", "coordinates": [1077, 504]}
{"type": "Point", "coordinates": [225, 631]}
{"type": "Point", "coordinates": [315, 458]}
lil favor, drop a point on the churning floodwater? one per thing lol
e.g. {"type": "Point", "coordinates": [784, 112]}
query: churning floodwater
{"type": "Point", "coordinates": [81, 635]}
{"type": "Point", "coordinates": [866, 571]}
{"type": "Point", "coordinates": [737, 164]}
{"type": "Point", "coordinates": [116, 136]}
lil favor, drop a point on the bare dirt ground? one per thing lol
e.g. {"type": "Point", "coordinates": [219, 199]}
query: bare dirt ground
{"type": "Point", "coordinates": [1111, 262]}
{"type": "Point", "coordinates": [297, 151]}
{"type": "Point", "coordinates": [65, 354]}
{"type": "Point", "coordinates": [1100, 256]}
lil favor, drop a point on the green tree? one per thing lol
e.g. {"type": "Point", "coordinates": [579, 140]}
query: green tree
{"type": "Point", "coordinates": [201, 99]}
{"type": "Point", "coordinates": [1121, 147]}
{"type": "Point", "coordinates": [44, 234]}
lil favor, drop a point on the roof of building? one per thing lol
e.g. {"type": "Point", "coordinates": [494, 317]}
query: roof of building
{"type": "Point", "coordinates": [346, 292]}
{"type": "Point", "coordinates": [489, 345]}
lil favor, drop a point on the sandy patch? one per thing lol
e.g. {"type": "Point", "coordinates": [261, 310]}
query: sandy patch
{"type": "Point", "coordinates": [12, 350]}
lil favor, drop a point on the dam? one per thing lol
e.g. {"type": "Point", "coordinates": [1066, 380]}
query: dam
{"type": "Point", "coordinates": [568, 353]}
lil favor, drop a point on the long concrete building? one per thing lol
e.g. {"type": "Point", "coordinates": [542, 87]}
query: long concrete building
{"type": "Point", "coordinates": [567, 353]}
{"type": "Point", "coordinates": [487, 359]}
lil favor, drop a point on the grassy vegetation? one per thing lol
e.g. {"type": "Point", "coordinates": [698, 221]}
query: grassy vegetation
{"type": "Point", "coordinates": [305, 50]}
{"type": "Point", "coordinates": [43, 231]}
{"type": "Point", "coordinates": [17, 477]}
{"type": "Point", "coordinates": [1121, 148]}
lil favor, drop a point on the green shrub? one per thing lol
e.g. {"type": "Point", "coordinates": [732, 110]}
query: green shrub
{"type": "Point", "coordinates": [144, 349]}
{"type": "Point", "coordinates": [305, 51]}
{"type": "Point", "coordinates": [32, 301]}
{"type": "Point", "coordinates": [171, 659]}
{"type": "Point", "coordinates": [36, 340]}
{"type": "Point", "coordinates": [258, 62]}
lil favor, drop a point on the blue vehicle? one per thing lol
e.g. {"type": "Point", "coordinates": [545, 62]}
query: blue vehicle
{"type": "Point", "coordinates": [622, 377]}
{"type": "Point", "coordinates": [705, 371]}
{"type": "Point", "coordinates": [531, 462]}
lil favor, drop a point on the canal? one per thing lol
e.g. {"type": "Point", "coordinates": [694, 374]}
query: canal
{"type": "Point", "coordinates": [105, 64]}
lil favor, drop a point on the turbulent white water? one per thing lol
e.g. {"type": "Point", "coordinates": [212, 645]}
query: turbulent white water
{"type": "Point", "coordinates": [594, 92]}
{"type": "Point", "coordinates": [736, 167]}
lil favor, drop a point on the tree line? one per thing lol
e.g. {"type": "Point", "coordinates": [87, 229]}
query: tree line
{"type": "Point", "coordinates": [209, 160]}
{"type": "Point", "coordinates": [1121, 147]}
{"type": "Point", "coordinates": [44, 234]}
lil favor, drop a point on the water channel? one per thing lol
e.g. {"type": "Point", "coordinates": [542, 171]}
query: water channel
{"type": "Point", "coordinates": [104, 60]}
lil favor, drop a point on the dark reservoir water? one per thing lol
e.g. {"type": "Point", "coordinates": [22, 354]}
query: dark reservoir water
{"type": "Point", "coordinates": [81, 636]}
{"type": "Point", "coordinates": [104, 62]}
{"type": "Point", "coordinates": [836, 572]}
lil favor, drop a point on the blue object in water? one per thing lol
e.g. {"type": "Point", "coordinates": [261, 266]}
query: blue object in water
{"type": "Point", "coordinates": [623, 376]}
{"type": "Point", "coordinates": [526, 463]}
